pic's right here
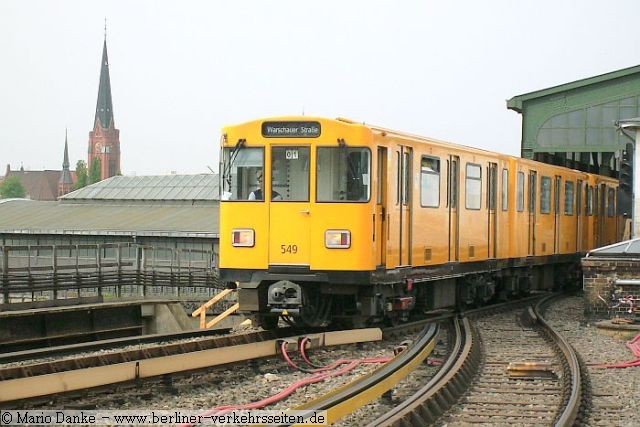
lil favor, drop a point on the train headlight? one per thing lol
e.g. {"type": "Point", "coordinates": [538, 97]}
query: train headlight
{"type": "Point", "coordinates": [243, 237]}
{"type": "Point", "coordinates": [340, 239]}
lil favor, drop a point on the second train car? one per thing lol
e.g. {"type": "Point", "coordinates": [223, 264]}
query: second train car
{"type": "Point", "coordinates": [330, 220]}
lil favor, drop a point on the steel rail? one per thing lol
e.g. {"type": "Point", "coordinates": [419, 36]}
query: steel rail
{"type": "Point", "coordinates": [25, 387]}
{"type": "Point", "coordinates": [346, 399]}
{"type": "Point", "coordinates": [17, 356]}
{"type": "Point", "coordinates": [572, 372]}
{"type": "Point", "coordinates": [444, 389]}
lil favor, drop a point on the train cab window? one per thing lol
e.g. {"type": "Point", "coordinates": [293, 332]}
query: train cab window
{"type": "Point", "coordinates": [430, 182]}
{"type": "Point", "coordinates": [343, 174]}
{"type": "Point", "coordinates": [520, 194]}
{"type": "Point", "coordinates": [473, 186]}
{"type": "Point", "coordinates": [568, 198]}
{"type": "Point", "coordinates": [545, 195]}
{"type": "Point", "coordinates": [611, 202]}
{"type": "Point", "coordinates": [242, 169]}
{"type": "Point", "coordinates": [505, 189]}
{"type": "Point", "coordinates": [589, 207]}
{"type": "Point", "coordinates": [290, 174]}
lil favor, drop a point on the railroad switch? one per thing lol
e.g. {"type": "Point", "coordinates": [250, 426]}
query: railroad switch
{"type": "Point", "coordinates": [531, 370]}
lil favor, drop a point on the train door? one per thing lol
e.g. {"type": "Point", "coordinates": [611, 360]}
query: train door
{"type": "Point", "coordinates": [289, 206]}
{"type": "Point", "coordinates": [579, 219]}
{"type": "Point", "coordinates": [405, 205]}
{"type": "Point", "coordinates": [380, 221]}
{"type": "Point", "coordinates": [556, 215]}
{"type": "Point", "coordinates": [492, 191]}
{"type": "Point", "coordinates": [532, 212]}
{"type": "Point", "coordinates": [453, 190]}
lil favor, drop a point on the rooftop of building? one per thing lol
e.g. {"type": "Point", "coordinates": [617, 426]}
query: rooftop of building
{"type": "Point", "coordinates": [167, 206]}
{"type": "Point", "coordinates": [160, 188]}
{"type": "Point", "coordinates": [516, 102]}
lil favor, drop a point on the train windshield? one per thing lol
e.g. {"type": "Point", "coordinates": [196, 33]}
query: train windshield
{"type": "Point", "coordinates": [343, 174]}
{"type": "Point", "coordinates": [242, 173]}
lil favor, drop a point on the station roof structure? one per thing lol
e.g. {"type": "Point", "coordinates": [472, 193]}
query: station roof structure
{"type": "Point", "coordinates": [162, 206]}
{"type": "Point", "coordinates": [579, 116]}
{"type": "Point", "coordinates": [21, 216]}
{"type": "Point", "coordinates": [161, 188]}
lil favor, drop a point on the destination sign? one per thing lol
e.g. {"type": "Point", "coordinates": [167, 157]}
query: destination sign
{"type": "Point", "coordinates": [291, 129]}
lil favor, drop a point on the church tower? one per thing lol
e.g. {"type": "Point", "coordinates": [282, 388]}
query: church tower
{"type": "Point", "coordinates": [104, 140]}
{"type": "Point", "coordinates": [65, 184]}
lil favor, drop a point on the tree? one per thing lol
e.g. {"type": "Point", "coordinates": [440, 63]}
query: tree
{"type": "Point", "coordinates": [94, 171]}
{"type": "Point", "coordinates": [11, 187]}
{"type": "Point", "coordinates": [82, 177]}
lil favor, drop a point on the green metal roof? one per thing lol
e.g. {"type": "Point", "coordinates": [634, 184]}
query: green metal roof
{"type": "Point", "coordinates": [516, 102]}
{"type": "Point", "coordinates": [37, 217]}
{"type": "Point", "coordinates": [202, 187]}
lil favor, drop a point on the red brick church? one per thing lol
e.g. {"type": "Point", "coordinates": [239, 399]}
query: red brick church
{"type": "Point", "coordinates": [104, 145]}
{"type": "Point", "coordinates": [104, 139]}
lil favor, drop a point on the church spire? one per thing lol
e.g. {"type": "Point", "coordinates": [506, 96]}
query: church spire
{"type": "Point", "coordinates": [65, 184]}
{"type": "Point", "coordinates": [65, 162]}
{"type": "Point", "coordinates": [104, 107]}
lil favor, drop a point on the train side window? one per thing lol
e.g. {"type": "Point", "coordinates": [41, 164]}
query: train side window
{"type": "Point", "coordinates": [556, 195]}
{"type": "Point", "coordinates": [589, 207]}
{"type": "Point", "coordinates": [568, 198]}
{"type": "Point", "coordinates": [430, 182]}
{"type": "Point", "coordinates": [398, 177]}
{"type": "Point", "coordinates": [453, 184]}
{"type": "Point", "coordinates": [406, 179]}
{"type": "Point", "coordinates": [492, 186]}
{"type": "Point", "coordinates": [532, 192]}
{"type": "Point", "coordinates": [473, 186]}
{"type": "Point", "coordinates": [611, 202]}
{"type": "Point", "coordinates": [545, 195]}
{"type": "Point", "coordinates": [505, 189]}
{"type": "Point", "coordinates": [520, 195]}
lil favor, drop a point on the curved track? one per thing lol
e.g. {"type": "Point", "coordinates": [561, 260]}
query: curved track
{"type": "Point", "coordinates": [525, 374]}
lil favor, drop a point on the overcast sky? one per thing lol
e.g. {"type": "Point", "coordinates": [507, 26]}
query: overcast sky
{"type": "Point", "coordinates": [181, 70]}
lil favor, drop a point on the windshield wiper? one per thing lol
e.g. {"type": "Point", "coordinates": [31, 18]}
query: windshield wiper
{"type": "Point", "coordinates": [226, 174]}
{"type": "Point", "coordinates": [352, 167]}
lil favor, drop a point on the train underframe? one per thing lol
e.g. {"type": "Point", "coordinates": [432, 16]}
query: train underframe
{"type": "Point", "coordinates": [315, 299]}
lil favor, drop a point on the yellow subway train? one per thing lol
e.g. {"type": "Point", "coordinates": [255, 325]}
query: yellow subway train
{"type": "Point", "coordinates": [325, 220]}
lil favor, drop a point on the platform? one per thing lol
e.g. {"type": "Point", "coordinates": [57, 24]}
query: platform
{"type": "Point", "coordinates": [28, 328]}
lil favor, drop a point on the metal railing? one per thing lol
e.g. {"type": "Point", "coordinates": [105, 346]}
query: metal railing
{"type": "Point", "coordinates": [113, 269]}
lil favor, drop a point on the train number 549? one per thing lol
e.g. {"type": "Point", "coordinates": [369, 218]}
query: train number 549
{"type": "Point", "coordinates": [288, 249]}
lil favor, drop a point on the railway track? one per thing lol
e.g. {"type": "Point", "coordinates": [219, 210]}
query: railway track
{"type": "Point", "coordinates": [34, 380]}
{"type": "Point", "coordinates": [84, 347]}
{"type": "Point", "coordinates": [507, 370]}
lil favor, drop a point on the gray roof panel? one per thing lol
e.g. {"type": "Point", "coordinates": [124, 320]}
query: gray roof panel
{"type": "Point", "coordinates": [36, 217]}
{"type": "Point", "coordinates": [163, 187]}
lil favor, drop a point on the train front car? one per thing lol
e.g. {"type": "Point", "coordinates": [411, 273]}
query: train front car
{"type": "Point", "coordinates": [297, 218]}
